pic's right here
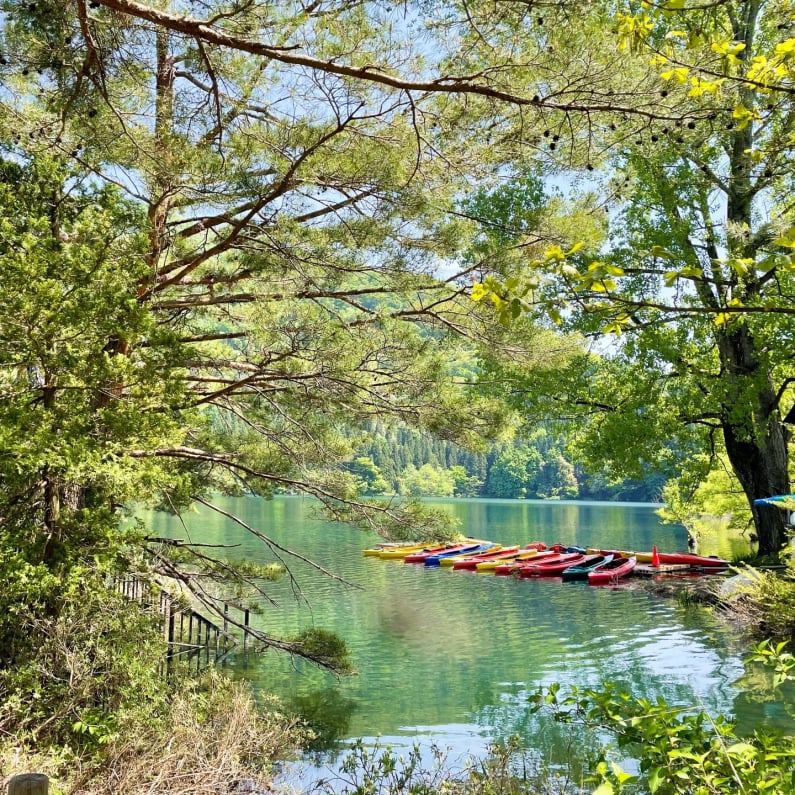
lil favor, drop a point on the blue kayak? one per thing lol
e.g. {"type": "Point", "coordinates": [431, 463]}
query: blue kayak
{"type": "Point", "coordinates": [474, 549]}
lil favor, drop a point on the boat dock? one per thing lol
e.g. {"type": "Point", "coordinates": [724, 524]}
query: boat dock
{"type": "Point", "coordinates": [647, 570]}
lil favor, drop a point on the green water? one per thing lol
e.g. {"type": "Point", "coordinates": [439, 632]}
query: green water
{"type": "Point", "coordinates": [452, 657]}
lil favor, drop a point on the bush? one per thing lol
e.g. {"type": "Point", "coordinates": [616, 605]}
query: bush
{"type": "Point", "coordinates": [88, 702]}
{"type": "Point", "coordinates": [212, 737]}
{"type": "Point", "coordinates": [681, 751]}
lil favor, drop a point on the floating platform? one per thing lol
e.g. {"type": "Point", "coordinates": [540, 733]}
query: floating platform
{"type": "Point", "coordinates": [647, 570]}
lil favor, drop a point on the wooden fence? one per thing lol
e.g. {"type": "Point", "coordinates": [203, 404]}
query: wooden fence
{"type": "Point", "coordinates": [189, 634]}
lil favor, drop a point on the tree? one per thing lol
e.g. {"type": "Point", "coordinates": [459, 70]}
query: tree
{"type": "Point", "coordinates": [427, 481]}
{"type": "Point", "coordinates": [213, 263]}
{"type": "Point", "coordinates": [515, 473]}
{"type": "Point", "coordinates": [465, 485]}
{"type": "Point", "coordinates": [557, 479]}
{"type": "Point", "coordinates": [695, 279]}
{"type": "Point", "coordinates": [369, 477]}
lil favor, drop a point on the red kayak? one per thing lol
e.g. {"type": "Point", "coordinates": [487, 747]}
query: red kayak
{"type": "Point", "coordinates": [673, 558]}
{"type": "Point", "coordinates": [515, 566]}
{"type": "Point", "coordinates": [472, 562]}
{"type": "Point", "coordinates": [611, 572]}
{"type": "Point", "coordinates": [552, 568]}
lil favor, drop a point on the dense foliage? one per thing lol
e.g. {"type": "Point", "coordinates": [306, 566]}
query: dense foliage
{"type": "Point", "coordinates": [681, 749]}
{"type": "Point", "coordinates": [409, 462]}
{"type": "Point", "coordinates": [693, 274]}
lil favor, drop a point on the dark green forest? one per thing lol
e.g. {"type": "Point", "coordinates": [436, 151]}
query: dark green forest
{"type": "Point", "coordinates": [413, 463]}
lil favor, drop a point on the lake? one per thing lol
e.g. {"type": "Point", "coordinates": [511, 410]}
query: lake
{"type": "Point", "coordinates": [452, 658]}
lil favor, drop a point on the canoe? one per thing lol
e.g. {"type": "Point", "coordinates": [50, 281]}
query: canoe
{"type": "Point", "coordinates": [515, 566]}
{"type": "Point", "coordinates": [472, 549]}
{"type": "Point", "coordinates": [471, 561]}
{"type": "Point", "coordinates": [687, 558]}
{"type": "Point", "coordinates": [579, 571]}
{"type": "Point", "coordinates": [670, 558]}
{"type": "Point", "coordinates": [419, 557]}
{"type": "Point", "coordinates": [510, 557]}
{"type": "Point", "coordinates": [613, 571]}
{"type": "Point", "coordinates": [551, 568]}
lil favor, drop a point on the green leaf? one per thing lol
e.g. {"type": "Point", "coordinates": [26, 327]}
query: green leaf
{"type": "Point", "coordinates": [787, 240]}
{"type": "Point", "coordinates": [657, 777]}
{"type": "Point", "coordinates": [741, 749]}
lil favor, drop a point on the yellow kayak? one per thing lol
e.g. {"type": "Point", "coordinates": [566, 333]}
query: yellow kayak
{"type": "Point", "coordinates": [398, 553]}
{"type": "Point", "coordinates": [391, 546]}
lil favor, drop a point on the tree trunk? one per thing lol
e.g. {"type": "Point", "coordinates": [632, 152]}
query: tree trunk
{"type": "Point", "coordinates": [755, 438]}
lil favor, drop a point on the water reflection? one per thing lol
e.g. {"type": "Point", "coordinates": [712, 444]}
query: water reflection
{"type": "Point", "coordinates": [328, 714]}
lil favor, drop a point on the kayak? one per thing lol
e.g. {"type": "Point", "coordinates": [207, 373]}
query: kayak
{"type": "Point", "coordinates": [551, 568]}
{"type": "Point", "coordinates": [511, 557]}
{"type": "Point", "coordinates": [397, 547]}
{"type": "Point", "coordinates": [670, 558]}
{"type": "Point", "coordinates": [451, 560]}
{"type": "Point", "coordinates": [419, 557]}
{"type": "Point", "coordinates": [471, 562]}
{"type": "Point", "coordinates": [579, 571]}
{"type": "Point", "coordinates": [610, 572]}
{"type": "Point", "coordinates": [399, 553]}
{"type": "Point", "coordinates": [516, 566]}
{"type": "Point", "coordinates": [472, 549]}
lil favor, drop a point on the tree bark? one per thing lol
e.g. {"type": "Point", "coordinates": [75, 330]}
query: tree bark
{"type": "Point", "coordinates": [755, 437]}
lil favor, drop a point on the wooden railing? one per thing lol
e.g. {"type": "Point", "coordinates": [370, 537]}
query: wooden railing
{"type": "Point", "coordinates": [188, 633]}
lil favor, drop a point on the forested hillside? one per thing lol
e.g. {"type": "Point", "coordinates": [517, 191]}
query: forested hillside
{"type": "Point", "coordinates": [406, 461]}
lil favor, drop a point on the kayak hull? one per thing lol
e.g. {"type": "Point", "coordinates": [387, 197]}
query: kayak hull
{"type": "Point", "coordinates": [609, 573]}
{"type": "Point", "coordinates": [397, 553]}
{"type": "Point", "coordinates": [419, 557]}
{"type": "Point", "coordinates": [553, 568]}
{"type": "Point", "coordinates": [516, 566]}
{"type": "Point", "coordinates": [473, 549]}
{"type": "Point", "coordinates": [450, 561]}
{"type": "Point", "coordinates": [671, 558]}
{"type": "Point", "coordinates": [473, 561]}
{"type": "Point", "coordinates": [515, 557]}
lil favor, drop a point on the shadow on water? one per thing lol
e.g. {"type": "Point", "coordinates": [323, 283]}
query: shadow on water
{"type": "Point", "coordinates": [328, 713]}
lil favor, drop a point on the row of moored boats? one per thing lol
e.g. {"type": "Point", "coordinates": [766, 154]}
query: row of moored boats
{"type": "Point", "coordinates": [597, 566]}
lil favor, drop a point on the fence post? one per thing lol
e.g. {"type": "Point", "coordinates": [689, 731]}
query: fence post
{"type": "Point", "coordinates": [29, 784]}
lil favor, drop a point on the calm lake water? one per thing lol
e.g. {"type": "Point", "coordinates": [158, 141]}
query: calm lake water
{"type": "Point", "coordinates": [451, 658]}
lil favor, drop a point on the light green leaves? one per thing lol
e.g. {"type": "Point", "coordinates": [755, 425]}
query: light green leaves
{"type": "Point", "coordinates": [728, 51]}
{"type": "Point", "coordinates": [633, 30]}
{"type": "Point", "coordinates": [786, 240]}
